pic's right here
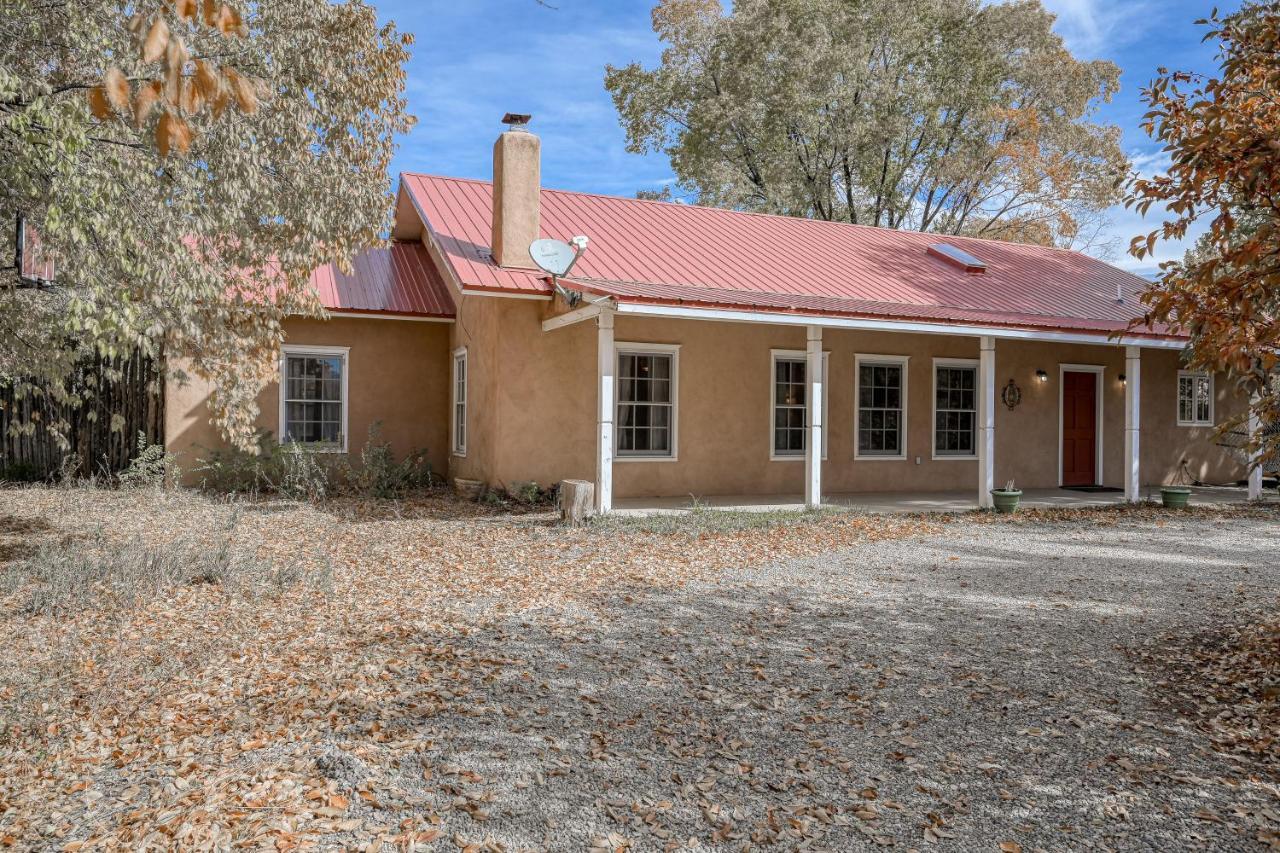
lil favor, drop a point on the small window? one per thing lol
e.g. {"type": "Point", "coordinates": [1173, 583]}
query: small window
{"type": "Point", "coordinates": [1195, 399]}
{"type": "Point", "coordinates": [313, 397]}
{"type": "Point", "coordinates": [881, 392]}
{"type": "Point", "coordinates": [646, 412]}
{"type": "Point", "coordinates": [789, 419]}
{"type": "Point", "coordinates": [459, 422]}
{"type": "Point", "coordinates": [955, 409]}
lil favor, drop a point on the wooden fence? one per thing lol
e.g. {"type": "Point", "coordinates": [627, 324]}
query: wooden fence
{"type": "Point", "coordinates": [127, 398]}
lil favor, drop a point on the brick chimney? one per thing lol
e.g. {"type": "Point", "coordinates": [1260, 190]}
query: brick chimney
{"type": "Point", "coordinates": [517, 176]}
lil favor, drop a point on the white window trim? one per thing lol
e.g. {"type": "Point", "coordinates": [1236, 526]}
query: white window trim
{"type": "Point", "coordinates": [457, 448]}
{"type": "Point", "coordinates": [1177, 408]}
{"type": "Point", "coordinates": [797, 355]}
{"type": "Point", "coordinates": [1100, 370]}
{"type": "Point", "coordinates": [933, 415]}
{"type": "Point", "coordinates": [900, 360]}
{"type": "Point", "coordinates": [633, 348]}
{"type": "Point", "coordinates": [303, 350]}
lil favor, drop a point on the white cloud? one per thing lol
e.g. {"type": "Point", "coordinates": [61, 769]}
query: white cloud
{"type": "Point", "coordinates": [1097, 28]}
{"type": "Point", "coordinates": [554, 70]}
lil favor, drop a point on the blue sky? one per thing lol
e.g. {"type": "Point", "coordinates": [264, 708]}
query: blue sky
{"type": "Point", "coordinates": [476, 59]}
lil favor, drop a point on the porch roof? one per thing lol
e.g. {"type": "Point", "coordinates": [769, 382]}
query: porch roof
{"type": "Point", "coordinates": [658, 252]}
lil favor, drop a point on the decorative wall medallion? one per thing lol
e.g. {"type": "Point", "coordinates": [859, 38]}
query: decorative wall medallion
{"type": "Point", "coordinates": [1012, 395]}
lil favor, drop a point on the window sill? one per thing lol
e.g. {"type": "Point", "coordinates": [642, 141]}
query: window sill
{"type": "Point", "coordinates": [620, 458]}
{"type": "Point", "coordinates": [861, 458]}
{"type": "Point", "coordinates": [1200, 424]}
{"type": "Point", "coordinates": [773, 457]}
{"type": "Point", "coordinates": [973, 457]}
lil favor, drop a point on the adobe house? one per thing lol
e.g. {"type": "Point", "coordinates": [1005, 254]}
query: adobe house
{"type": "Point", "coordinates": [699, 351]}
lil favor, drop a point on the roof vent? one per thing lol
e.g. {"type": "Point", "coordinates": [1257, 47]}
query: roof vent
{"type": "Point", "coordinates": [958, 257]}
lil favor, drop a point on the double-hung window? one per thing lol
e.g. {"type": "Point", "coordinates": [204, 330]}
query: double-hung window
{"type": "Point", "coordinates": [646, 395]}
{"type": "Point", "coordinates": [789, 417]}
{"type": "Point", "coordinates": [1195, 398]}
{"type": "Point", "coordinates": [955, 408]}
{"type": "Point", "coordinates": [880, 391]}
{"type": "Point", "coordinates": [458, 424]}
{"type": "Point", "coordinates": [313, 397]}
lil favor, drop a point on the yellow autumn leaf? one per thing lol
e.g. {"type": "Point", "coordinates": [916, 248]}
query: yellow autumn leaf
{"type": "Point", "coordinates": [116, 88]}
{"type": "Point", "coordinates": [144, 100]}
{"type": "Point", "coordinates": [157, 39]}
{"type": "Point", "coordinates": [243, 90]}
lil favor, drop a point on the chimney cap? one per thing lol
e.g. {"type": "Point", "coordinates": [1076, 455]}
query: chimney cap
{"type": "Point", "coordinates": [517, 121]}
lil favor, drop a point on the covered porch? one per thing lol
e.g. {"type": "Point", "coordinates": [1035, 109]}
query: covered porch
{"type": "Point", "coordinates": [858, 414]}
{"type": "Point", "coordinates": [919, 502]}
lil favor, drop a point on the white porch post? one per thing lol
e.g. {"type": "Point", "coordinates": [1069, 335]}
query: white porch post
{"type": "Point", "coordinates": [1132, 424]}
{"type": "Point", "coordinates": [813, 401]}
{"type": "Point", "coordinates": [1255, 468]}
{"type": "Point", "coordinates": [604, 432]}
{"type": "Point", "coordinates": [986, 420]}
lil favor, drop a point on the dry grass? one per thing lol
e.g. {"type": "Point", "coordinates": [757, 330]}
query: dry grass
{"type": "Point", "coordinates": [144, 709]}
{"type": "Point", "coordinates": [139, 706]}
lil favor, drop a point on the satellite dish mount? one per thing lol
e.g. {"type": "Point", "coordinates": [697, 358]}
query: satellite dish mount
{"type": "Point", "coordinates": [557, 258]}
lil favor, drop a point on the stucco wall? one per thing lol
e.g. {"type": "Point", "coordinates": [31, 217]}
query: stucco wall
{"type": "Point", "coordinates": [398, 374]}
{"type": "Point", "coordinates": [531, 414]}
{"type": "Point", "coordinates": [543, 417]}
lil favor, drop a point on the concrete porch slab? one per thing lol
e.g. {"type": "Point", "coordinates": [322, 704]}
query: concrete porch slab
{"type": "Point", "coordinates": [905, 502]}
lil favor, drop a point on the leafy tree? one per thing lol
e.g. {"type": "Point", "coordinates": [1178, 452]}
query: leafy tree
{"type": "Point", "coordinates": [1221, 137]}
{"type": "Point", "coordinates": [185, 169]}
{"type": "Point", "coordinates": [953, 116]}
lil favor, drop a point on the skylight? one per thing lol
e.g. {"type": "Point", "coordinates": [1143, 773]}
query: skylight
{"type": "Point", "coordinates": [958, 257]}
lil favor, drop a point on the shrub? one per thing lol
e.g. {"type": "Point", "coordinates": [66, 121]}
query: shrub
{"type": "Point", "coordinates": [21, 472]}
{"type": "Point", "coordinates": [231, 471]}
{"type": "Point", "coordinates": [380, 475]}
{"type": "Point", "coordinates": [530, 493]}
{"type": "Point", "coordinates": [300, 474]}
{"type": "Point", "coordinates": [151, 466]}
{"type": "Point", "coordinates": [296, 472]}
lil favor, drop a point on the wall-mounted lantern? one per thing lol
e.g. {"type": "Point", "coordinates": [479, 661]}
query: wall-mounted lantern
{"type": "Point", "coordinates": [1041, 376]}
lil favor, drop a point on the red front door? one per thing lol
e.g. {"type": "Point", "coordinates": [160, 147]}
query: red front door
{"type": "Point", "coordinates": [1079, 428]}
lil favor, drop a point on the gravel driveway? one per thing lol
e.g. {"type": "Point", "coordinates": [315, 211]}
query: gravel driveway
{"type": "Point", "coordinates": [968, 691]}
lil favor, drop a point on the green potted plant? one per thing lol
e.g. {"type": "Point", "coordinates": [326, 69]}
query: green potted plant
{"type": "Point", "coordinates": [1175, 495]}
{"type": "Point", "coordinates": [1006, 499]}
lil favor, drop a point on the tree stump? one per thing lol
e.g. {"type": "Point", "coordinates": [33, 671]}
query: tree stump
{"type": "Point", "coordinates": [577, 501]}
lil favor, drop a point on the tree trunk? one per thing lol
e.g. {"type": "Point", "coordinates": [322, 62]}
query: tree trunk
{"type": "Point", "coordinates": [577, 501]}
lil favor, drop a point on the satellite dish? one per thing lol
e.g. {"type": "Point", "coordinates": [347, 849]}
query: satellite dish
{"type": "Point", "coordinates": [553, 256]}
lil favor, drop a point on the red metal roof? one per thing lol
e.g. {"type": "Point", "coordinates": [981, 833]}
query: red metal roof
{"type": "Point", "coordinates": [653, 251]}
{"type": "Point", "coordinates": [397, 279]}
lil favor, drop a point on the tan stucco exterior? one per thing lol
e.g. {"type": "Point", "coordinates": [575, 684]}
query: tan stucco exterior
{"type": "Point", "coordinates": [398, 375]}
{"type": "Point", "coordinates": [532, 404]}
{"type": "Point", "coordinates": [534, 397]}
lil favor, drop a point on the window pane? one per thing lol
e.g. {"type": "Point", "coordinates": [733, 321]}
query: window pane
{"type": "Point", "coordinates": [880, 404]}
{"type": "Point", "coordinates": [645, 403]}
{"type": "Point", "coordinates": [956, 417]}
{"type": "Point", "coordinates": [312, 390]}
